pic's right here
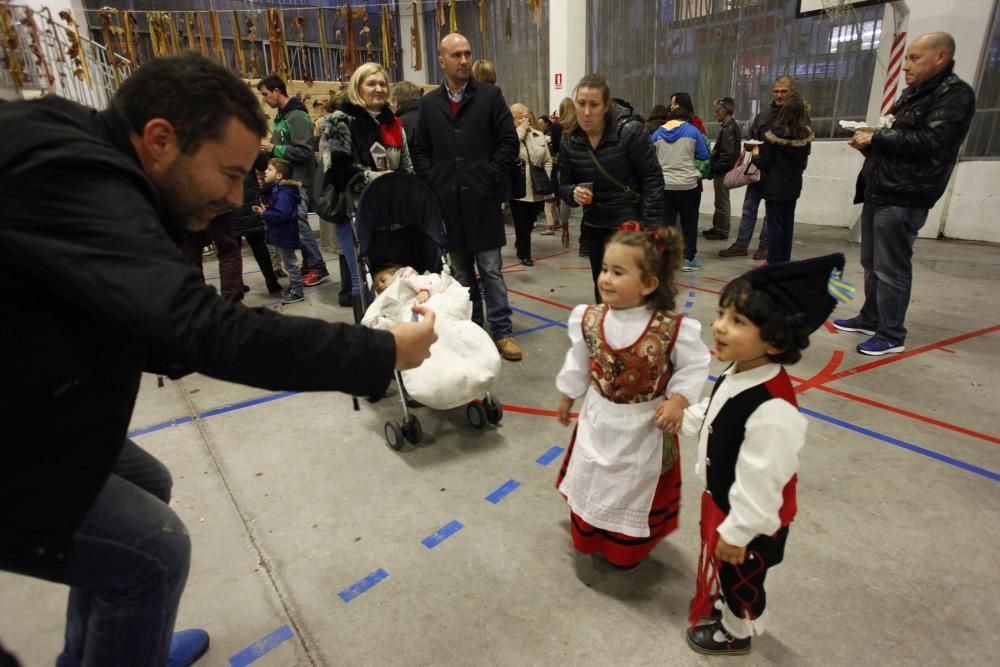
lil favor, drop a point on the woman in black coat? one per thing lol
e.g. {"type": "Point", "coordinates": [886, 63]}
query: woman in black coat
{"type": "Point", "coordinates": [782, 159]}
{"type": "Point", "coordinates": [631, 188]}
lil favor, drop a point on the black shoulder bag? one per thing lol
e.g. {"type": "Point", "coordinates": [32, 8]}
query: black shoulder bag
{"type": "Point", "coordinates": [632, 194]}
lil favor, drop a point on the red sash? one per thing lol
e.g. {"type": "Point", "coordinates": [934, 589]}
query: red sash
{"type": "Point", "coordinates": [707, 582]}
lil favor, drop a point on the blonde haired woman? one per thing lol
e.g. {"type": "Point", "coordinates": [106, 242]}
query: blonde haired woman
{"type": "Point", "coordinates": [358, 142]}
{"type": "Point", "coordinates": [534, 150]}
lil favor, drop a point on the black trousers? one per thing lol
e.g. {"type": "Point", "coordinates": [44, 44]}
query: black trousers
{"type": "Point", "coordinates": [255, 239]}
{"type": "Point", "coordinates": [683, 205]}
{"type": "Point", "coordinates": [524, 214]}
{"type": "Point", "coordinates": [597, 238]}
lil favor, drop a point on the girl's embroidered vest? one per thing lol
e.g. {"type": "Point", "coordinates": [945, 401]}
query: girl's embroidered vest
{"type": "Point", "coordinates": [637, 373]}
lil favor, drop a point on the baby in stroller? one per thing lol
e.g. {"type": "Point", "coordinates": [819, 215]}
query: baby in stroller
{"type": "Point", "coordinates": [464, 362]}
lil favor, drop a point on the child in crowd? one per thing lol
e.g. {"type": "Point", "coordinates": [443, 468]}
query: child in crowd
{"type": "Point", "coordinates": [638, 364]}
{"type": "Point", "coordinates": [280, 207]}
{"type": "Point", "coordinates": [749, 436]}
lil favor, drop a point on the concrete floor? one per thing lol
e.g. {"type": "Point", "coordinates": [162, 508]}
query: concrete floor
{"type": "Point", "coordinates": [295, 504]}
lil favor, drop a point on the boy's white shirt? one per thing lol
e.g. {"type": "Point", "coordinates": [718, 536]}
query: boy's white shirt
{"type": "Point", "coordinates": [769, 456]}
{"type": "Point", "coordinates": [622, 328]}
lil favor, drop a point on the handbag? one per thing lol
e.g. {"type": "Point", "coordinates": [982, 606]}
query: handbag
{"type": "Point", "coordinates": [541, 184]}
{"type": "Point", "coordinates": [632, 194]}
{"type": "Point", "coordinates": [744, 173]}
{"type": "Point", "coordinates": [517, 176]}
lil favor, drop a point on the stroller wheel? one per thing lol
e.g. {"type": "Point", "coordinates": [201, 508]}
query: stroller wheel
{"type": "Point", "coordinates": [494, 411]}
{"type": "Point", "coordinates": [476, 415]}
{"type": "Point", "coordinates": [412, 430]}
{"type": "Point", "coordinates": [393, 435]}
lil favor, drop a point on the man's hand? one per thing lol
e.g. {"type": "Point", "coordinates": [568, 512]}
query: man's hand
{"type": "Point", "coordinates": [267, 146]}
{"type": "Point", "coordinates": [414, 339]}
{"type": "Point", "coordinates": [862, 139]}
{"type": "Point", "coordinates": [727, 553]}
{"type": "Point", "coordinates": [565, 404]}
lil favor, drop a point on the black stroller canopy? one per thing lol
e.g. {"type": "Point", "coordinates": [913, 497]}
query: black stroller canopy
{"type": "Point", "coordinates": [397, 221]}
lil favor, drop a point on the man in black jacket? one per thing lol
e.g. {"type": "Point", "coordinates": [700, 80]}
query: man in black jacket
{"type": "Point", "coordinates": [464, 149]}
{"type": "Point", "coordinates": [906, 171]}
{"type": "Point", "coordinates": [96, 292]}
{"type": "Point", "coordinates": [725, 152]}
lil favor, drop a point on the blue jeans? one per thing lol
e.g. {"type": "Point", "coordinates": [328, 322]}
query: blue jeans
{"type": "Point", "coordinates": [490, 287]}
{"type": "Point", "coordinates": [129, 564]}
{"type": "Point", "coordinates": [291, 263]}
{"type": "Point", "coordinates": [748, 219]}
{"type": "Point", "coordinates": [887, 236]}
{"type": "Point", "coordinates": [779, 221]}
{"type": "Point", "coordinates": [312, 258]}
{"type": "Point", "coordinates": [345, 237]}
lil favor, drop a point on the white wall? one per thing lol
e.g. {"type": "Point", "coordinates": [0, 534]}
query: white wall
{"type": "Point", "coordinates": [567, 47]}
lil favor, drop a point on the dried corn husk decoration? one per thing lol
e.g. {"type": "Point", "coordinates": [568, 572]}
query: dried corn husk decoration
{"type": "Point", "coordinates": [154, 41]}
{"type": "Point", "coordinates": [213, 24]}
{"type": "Point", "coordinates": [276, 38]}
{"type": "Point", "coordinates": [11, 47]}
{"type": "Point", "coordinates": [170, 27]}
{"type": "Point", "coordinates": [75, 49]}
{"type": "Point", "coordinates": [484, 27]}
{"type": "Point", "coordinates": [192, 32]}
{"type": "Point", "coordinates": [324, 49]}
{"type": "Point", "coordinates": [351, 57]}
{"type": "Point", "coordinates": [36, 45]}
{"type": "Point", "coordinates": [416, 53]}
{"type": "Point", "coordinates": [131, 45]}
{"type": "Point", "coordinates": [110, 35]}
{"type": "Point", "coordinates": [453, 17]}
{"type": "Point", "coordinates": [388, 57]}
{"type": "Point", "coordinates": [254, 64]}
{"type": "Point", "coordinates": [202, 39]}
{"type": "Point", "coordinates": [239, 60]}
{"type": "Point", "coordinates": [537, 9]}
{"type": "Point", "coordinates": [299, 23]}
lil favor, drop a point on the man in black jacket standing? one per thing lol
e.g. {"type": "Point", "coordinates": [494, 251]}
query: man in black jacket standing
{"type": "Point", "coordinates": [906, 171]}
{"type": "Point", "coordinates": [96, 292]}
{"type": "Point", "coordinates": [464, 149]}
{"type": "Point", "coordinates": [724, 155]}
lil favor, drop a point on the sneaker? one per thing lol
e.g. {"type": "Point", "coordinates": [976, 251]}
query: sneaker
{"type": "Point", "coordinates": [714, 234]}
{"type": "Point", "coordinates": [856, 325]}
{"type": "Point", "coordinates": [186, 647]}
{"type": "Point", "coordinates": [692, 265]}
{"type": "Point", "coordinates": [315, 278]}
{"type": "Point", "coordinates": [878, 345]}
{"type": "Point", "coordinates": [509, 350]}
{"type": "Point", "coordinates": [713, 639]}
{"type": "Point", "coordinates": [291, 297]}
{"type": "Point", "coordinates": [760, 252]}
{"type": "Point", "coordinates": [735, 250]}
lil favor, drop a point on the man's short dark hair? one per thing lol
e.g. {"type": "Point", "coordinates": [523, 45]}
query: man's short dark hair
{"type": "Point", "coordinates": [728, 104]}
{"type": "Point", "coordinates": [273, 82]}
{"type": "Point", "coordinates": [194, 94]}
{"type": "Point", "coordinates": [283, 167]}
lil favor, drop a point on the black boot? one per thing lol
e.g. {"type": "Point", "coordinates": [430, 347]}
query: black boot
{"type": "Point", "coordinates": [344, 296]}
{"type": "Point", "coordinates": [359, 311]}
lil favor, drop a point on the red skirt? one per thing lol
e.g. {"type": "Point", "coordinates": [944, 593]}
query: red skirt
{"type": "Point", "coordinates": [664, 512]}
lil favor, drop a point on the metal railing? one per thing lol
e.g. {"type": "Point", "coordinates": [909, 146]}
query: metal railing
{"type": "Point", "coordinates": [50, 63]}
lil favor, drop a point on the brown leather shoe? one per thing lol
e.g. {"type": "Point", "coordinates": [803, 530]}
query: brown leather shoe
{"type": "Point", "coordinates": [735, 250]}
{"type": "Point", "coordinates": [760, 252]}
{"type": "Point", "coordinates": [509, 350]}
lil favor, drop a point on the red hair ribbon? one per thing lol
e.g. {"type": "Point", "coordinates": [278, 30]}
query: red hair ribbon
{"type": "Point", "coordinates": [652, 237]}
{"type": "Point", "coordinates": [630, 226]}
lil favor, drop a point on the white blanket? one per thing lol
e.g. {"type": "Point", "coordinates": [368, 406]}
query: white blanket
{"type": "Point", "coordinates": [464, 361]}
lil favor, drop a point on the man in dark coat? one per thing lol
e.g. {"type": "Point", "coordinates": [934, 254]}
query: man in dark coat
{"type": "Point", "coordinates": [906, 171]}
{"type": "Point", "coordinates": [96, 292]}
{"type": "Point", "coordinates": [725, 152]}
{"type": "Point", "coordinates": [464, 149]}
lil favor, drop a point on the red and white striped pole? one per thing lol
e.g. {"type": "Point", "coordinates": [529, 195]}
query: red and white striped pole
{"type": "Point", "coordinates": [892, 72]}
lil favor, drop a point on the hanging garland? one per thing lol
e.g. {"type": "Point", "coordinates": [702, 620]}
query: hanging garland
{"type": "Point", "coordinates": [192, 32]}
{"type": "Point", "coordinates": [75, 48]}
{"type": "Point", "coordinates": [416, 53]}
{"type": "Point", "coordinates": [321, 25]}
{"type": "Point", "coordinates": [11, 47]}
{"type": "Point", "coordinates": [483, 27]}
{"type": "Point", "coordinates": [276, 39]}
{"type": "Point", "coordinates": [36, 44]}
{"type": "Point", "coordinates": [254, 65]}
{"type": "Point", "coordinates": [112, 39]}
{"type": "Point", "coordinates": [299, 23]}
{"type": "Point", "coordinates": [453, 17]}
{"type": "Point", "coordinates": [213, 22]}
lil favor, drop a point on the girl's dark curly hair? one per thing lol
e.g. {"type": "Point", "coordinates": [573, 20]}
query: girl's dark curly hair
{"type": "Point", "coordinates": [779, 327]}
{"type": "Point", "coordinates": [658, 255]}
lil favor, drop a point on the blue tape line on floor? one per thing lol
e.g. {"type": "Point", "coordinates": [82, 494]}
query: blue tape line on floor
{"type": "Point", "coordinates": [528, 331]}
{"type": "Point", "coordinates": [550, 456]}
{"type": "Point", "coordinates": [213, 412]}
{"type": "Point", "coordinates": [258, 649]}
{"type": "Point", "coordinates": [503, 491]}
{"type": "Point", "coordinates": [689, 304]}
{"type": "Point", "coordinates": [443, 534]}
{"type": "Point", "coordinates": [158, 427]}
{"type": "Point", "coordinates": [538, 317]}
{"type": "Point", "coordinates": [362, 586]}
{"type": "Point", "coordinates": [691, 294]}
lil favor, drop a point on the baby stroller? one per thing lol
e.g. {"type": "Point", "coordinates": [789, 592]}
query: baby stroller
{"type": "Point", "coordinates": [397, 221]}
